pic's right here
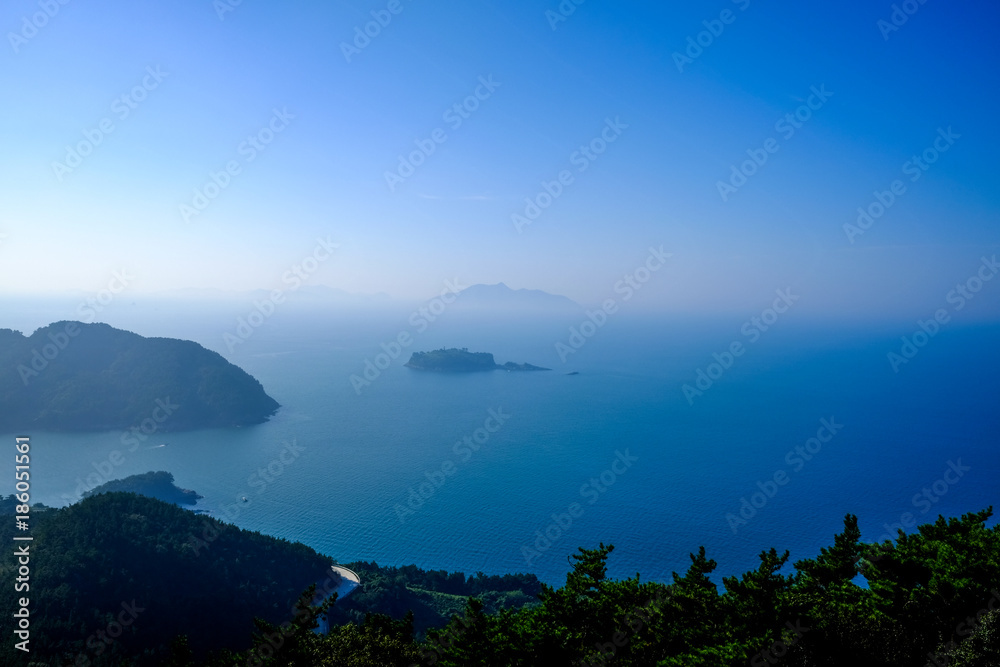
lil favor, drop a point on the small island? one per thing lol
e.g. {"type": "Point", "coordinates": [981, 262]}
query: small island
{"type": "Point", "coordinates": [454, 360]}
{"type": "Point", "coordinates": [159, 485]}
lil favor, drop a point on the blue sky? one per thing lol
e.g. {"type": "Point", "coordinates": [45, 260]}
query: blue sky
{"type": "Point", "coordinates": [347, 122]}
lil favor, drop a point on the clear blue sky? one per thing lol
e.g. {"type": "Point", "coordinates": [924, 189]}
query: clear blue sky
{"type": "Point", "coordinates": [656, 184]}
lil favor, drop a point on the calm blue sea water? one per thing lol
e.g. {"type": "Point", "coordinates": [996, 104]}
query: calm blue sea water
{"type": "Point", "coordinates": [357, 457]}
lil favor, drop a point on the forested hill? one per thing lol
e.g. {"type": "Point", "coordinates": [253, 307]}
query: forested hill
{"type": "Point", "coordinates": [189, 575]}
{"type": "Point", "coordinates": [71, 376]}
{"type": "Point", "coordinates": [192, 575]}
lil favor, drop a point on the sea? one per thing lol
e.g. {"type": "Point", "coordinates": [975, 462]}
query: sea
{"type": "Point", "coordinates": [648, 433]}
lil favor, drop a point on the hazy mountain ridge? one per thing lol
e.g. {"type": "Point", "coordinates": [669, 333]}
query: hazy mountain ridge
{"type": "Point", "coordinates": [502, 296]}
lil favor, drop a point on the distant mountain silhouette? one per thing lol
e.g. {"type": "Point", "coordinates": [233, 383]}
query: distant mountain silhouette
{"type": "Point", "coordinates": [71, 376]}
{"type": "Point", "coordinates": [500, 296]}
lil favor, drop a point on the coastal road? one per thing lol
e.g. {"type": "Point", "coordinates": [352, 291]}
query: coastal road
{"type": "Point", "coordinates": [349, 580]}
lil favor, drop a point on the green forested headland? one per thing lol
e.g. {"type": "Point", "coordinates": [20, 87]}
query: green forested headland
{"type": "Point", "coordinates": [159, 485]}
{"type": "Point", "coordinates": [71, 376]}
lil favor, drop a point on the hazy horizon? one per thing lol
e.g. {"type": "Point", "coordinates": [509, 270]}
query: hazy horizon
{"type": "Point", "coordinates": [577, 144]}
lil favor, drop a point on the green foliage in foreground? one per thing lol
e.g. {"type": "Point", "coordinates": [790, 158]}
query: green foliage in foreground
{"type": "Point", "coordinates": [433, 596]}
{"type": "Point", "coordinates": [190, 598]}
{"type": "Point", "coordinates": [931, 597]}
